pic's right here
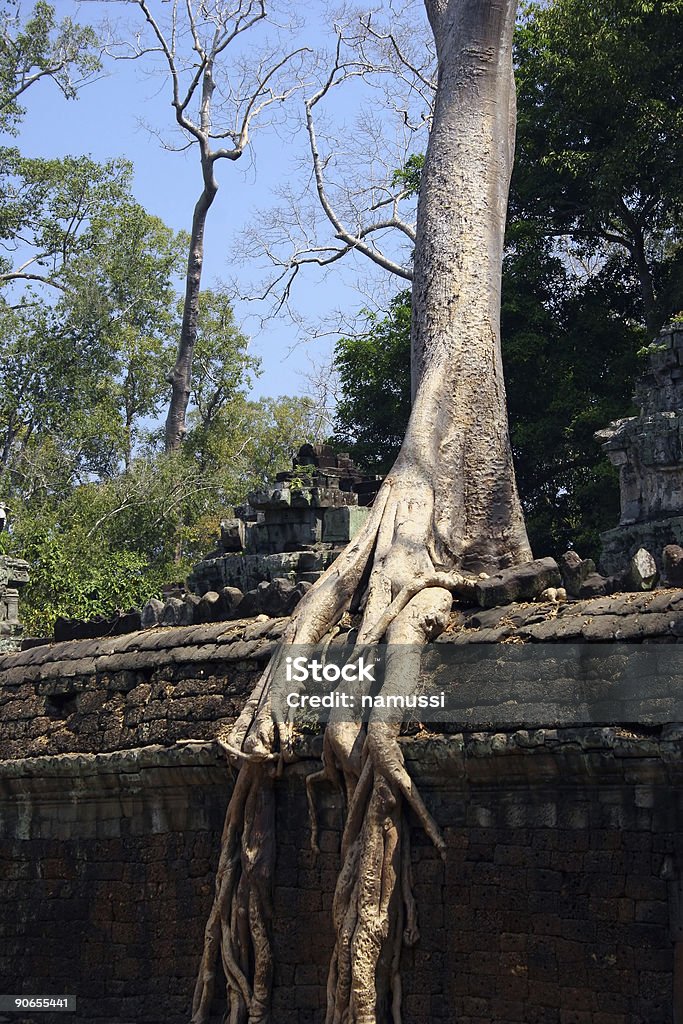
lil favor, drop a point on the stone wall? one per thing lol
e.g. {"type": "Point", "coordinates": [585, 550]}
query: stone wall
{"type": "Point", "coordinates": [557, 903]}
{"type": "Point", "coordinates": [648, 451]}
{"type": "Point", "coordinates": [156, 686]}
{"type": "Point", "coordinates": [551, 907]}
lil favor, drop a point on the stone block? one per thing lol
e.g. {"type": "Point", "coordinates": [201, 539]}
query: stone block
{"type": "Point", "coordinates": [151, 613]}
{"type": "Point", "coordinates": [520, 583]}
{"type": "Point", "coordinates": [575, 571]}
{"type": "Point", "coordinates": [642, 573]}
{"type": "Point", "coordinates": [207, 607]}
{"type": "Point", "coordinates": [594, 585]}
{"type": "Point", "coordinates": [175, 613]}
{"type": "Point", "coordinates": [232, 535]}
{"type": "Point", "coordinates": [672, 564]}
{"type": "Point", "coordinates": [619, 545]}
{"type": "Point", "coordinates": [340, 525]}
{"type": "Point", "coordinates": [230, 602]}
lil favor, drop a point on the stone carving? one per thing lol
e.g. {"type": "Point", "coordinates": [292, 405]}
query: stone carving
{"type": "Point", "coordinates": [648, 450]}
{"type": "Point", "coordinates": [13, 576]}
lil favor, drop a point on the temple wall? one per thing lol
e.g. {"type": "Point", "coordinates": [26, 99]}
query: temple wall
{"type": "Point", "coordinates": [551, 906]}
{"type": "Point", "coordinates": [557, 904]}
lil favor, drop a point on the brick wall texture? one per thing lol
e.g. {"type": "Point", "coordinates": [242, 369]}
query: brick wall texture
{"type": "Point", "coordinates": [558, 902]}
{"type": "Point", "coordinates": [552, 908]}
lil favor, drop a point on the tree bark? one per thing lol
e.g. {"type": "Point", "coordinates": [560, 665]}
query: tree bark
{"type": "Point", "coordinates": [180, 377]}
{"type": "Point", "coordinates": [458, 429]}
{"type": "Point", "coordinates": [634, 243]}
{"type": "Point", "coordinates": [653, 320]}
{"type": "Point", "coordinates": [448, 507]}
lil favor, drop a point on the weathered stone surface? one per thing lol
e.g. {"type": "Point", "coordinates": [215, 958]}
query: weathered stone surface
{"type": "Point", "coordinates": [14, 573]}
{"type": "Point", "coordinates": [230, 603]}
{"type": "Point", "coordinates": [619, 545]}
{"type": "Point", "coordinates": [672, 559]}
{"type": "Point", "coordinates": [232, 535]}
{"type": "Point", "coordinates": [245, 572]}
{"type": "Point", "coordinates": [521, 583]}
{"type": "Point", "coordinates": [554, 894]}
{"type": "Point", "coordinates": [252, 602]}
{"type": "Point", "coordinates": [176, 612]}
{"type": "Point", "coordinates": [575, 571]}
{"type": "Point", "coordinates": [294, 529]}
{"type": "Point", "coordinates": [642, 571]}
{"type": "Point", "coordinates": [281, 597]}
{"type": "Point", "coordinates": [206, 610]}
{"type": "Point", "coordinates": [275, 598]}
{"type": "Point", "coordinates": [151, 613]}
{"type": "Point", "coordinates": [648, 450]}
{"type": "Point", "coordinates": [595, 585]}
{"type": "Point", "coordinates": [561, 842]}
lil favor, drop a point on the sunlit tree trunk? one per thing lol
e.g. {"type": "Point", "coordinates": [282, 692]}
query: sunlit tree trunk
{"type": "Point", "coordinates": [448, 507]}
{"type": "Point", "coordinates": [458, 430]}
{"type": "Point", "coordinates": [180, 377]}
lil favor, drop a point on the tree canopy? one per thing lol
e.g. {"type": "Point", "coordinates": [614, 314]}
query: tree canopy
{"type": "Point", "coordinates": [90, 312]}
{"type": "Point", "coordinates": [600, 138]}
{"type": "Point", "coordinates": [598, 172]}
{"type": "Point", "coordinates": [38, 48]}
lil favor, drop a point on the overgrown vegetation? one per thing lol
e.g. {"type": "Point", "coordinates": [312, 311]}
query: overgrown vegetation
{"type": "Point", "coordinates": [90, 312]}
{"type": "Point", "coordinates": [593, 264]}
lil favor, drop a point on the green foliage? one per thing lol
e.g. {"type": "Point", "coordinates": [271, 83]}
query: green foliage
{"type": "Point", "coordinates": [569, 353]}
{"type": "Point", "coordinates": [89, 322]}
{"type": "Point", "coordinates": [222, 367]}
{"type": "Point", "coordinates": [374, 377]}
{"type": "Point", "coordinates": [600, 135]}
{"type": "Point", "coordinates": [54, 210]}
{"type": "Point", "coordinates": [41, 47]}
{"type": "Point", "coordinates": [80, 374]}
{"type": "Point", "coordinates": [112, 543]}
{"type": "Point", "coordinates": [410, 175]}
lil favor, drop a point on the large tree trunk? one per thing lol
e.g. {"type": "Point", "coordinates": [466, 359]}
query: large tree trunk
{"type": "Point", "coordinates": [458, 429]}
{"type": "Point", "coordinates": [448, 507]}
{"type": "Point", "coordinates": [181, 376]}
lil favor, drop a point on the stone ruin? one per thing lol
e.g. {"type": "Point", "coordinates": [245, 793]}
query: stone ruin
{"type": "Point", "coordinates": [648, 451]}
{"type": "Point", "coordinates": [13, 576]}
{"type": "Point", "coordinates": [277, 546]}
{"type": "Point", "coordinates": [294, 530]}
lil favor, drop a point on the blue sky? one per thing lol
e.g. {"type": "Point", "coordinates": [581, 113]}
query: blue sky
{"type": "Point", "coordinates": [105, 121]}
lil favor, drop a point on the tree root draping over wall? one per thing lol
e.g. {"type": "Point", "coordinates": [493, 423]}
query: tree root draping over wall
{"type": "Point", "coordinates": [449, 507]}
{"type": "Point", "coordinates": [404, 601]}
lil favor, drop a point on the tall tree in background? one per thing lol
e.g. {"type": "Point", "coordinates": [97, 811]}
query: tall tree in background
{"type": "Point", "coordinates": [86, 310]}
{"type": "Point", "coordinates": [600, 154]}
{"type": "Point", "coordinates": [449, 505]}
{"type": "Point", "coordinates": [215, 112]}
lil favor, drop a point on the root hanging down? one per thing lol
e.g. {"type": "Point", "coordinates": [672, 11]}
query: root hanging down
{"type": "Point", "coordinates": [405, 601]}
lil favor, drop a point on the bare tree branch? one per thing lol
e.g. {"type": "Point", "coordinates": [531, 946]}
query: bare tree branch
{"type": "Point", "coordinates": [355, 177]}
{"type": "Point", "coordinates": [192, 44]}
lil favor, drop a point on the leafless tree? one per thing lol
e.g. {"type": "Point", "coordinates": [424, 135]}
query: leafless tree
{"type": "Point", "coordinates": [359, 202]}
{"type": "Point", "coordinates": [448, 509]}
{"type": "Point", "coordinates": [217, 102]}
